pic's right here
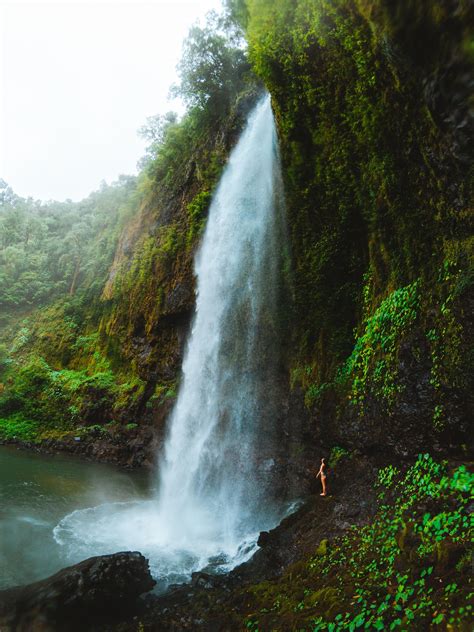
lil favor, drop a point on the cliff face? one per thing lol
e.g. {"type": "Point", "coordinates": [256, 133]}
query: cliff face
{"type": "Point", "coordinates": [148, 300]}
{"type": "Point", "coordinates": [372, 104]}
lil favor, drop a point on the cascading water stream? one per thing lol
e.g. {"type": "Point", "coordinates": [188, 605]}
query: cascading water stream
{"type": "Point", "coordinates": [213, 495]}
{"type": "Point", "coordinates": [209, 471]}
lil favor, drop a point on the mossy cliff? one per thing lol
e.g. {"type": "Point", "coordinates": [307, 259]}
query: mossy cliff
{"type": "Point", "coordinates": [372, 103]}
{"type": "Point", "coordinates": [372, 107]}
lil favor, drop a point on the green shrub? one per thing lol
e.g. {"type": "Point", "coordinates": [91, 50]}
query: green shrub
{"type": "Point", "coordinates": [16, 427]}
{"type": "Point", "coordinates": [337, 455]}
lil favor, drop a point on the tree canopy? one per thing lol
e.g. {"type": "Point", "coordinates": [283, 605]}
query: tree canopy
{"type": "Point", "coordinates": [213, 65]}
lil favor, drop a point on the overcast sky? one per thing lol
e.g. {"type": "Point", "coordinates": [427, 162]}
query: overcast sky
{"type": "Point", "coordinates": [77, 79]}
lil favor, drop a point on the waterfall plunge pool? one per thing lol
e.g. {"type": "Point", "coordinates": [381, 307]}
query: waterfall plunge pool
{"type": "Point", "coordinates": [59, 510]}
{"type": "Point", "coordinates": [36, 492]}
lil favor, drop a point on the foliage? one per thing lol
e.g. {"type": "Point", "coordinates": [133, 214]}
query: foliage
{"type": "Point", "coordinates": [213, 66]}
{"type": "Point", "coordinates": [337, 455]}
{"type": "Point", "coordinates": [155, 131]}
{"type": "Point", "coordinates": [214, 73]}
{"type": "Point", "coordinates": [16, 427]}
{"type": "Point", "coordinates": [372, 368]}
{"type": "Point", "coordinates": [373, 365]}
{"type": "Point", "coordinates": [36, 399]}
{"type": "Point", "coordinates": [237, 11]}
{"type": "Point", "coordinates": [407, 569]}
{"type": "Point", "coordinates": [449, 369]}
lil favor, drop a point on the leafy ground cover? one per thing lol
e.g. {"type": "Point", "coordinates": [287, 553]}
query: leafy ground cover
{"type": "Point", "coordinates": [408, 569]}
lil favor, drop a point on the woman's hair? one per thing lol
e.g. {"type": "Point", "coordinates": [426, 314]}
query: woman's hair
{"type": "Point", "coordinates": [323, 460]}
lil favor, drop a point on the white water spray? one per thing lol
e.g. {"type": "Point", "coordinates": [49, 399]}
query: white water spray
{"type": "Point", "coordinates": [213, 488]}
{"type": "Point", "coordinates": [210, 484]}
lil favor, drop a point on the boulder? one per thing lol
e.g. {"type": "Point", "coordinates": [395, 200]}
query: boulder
{"type": "Point", "coordinates": [97, 589]}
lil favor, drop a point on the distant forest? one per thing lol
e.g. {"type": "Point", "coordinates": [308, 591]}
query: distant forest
{"type": "Point", "coordinates": [50, 249]}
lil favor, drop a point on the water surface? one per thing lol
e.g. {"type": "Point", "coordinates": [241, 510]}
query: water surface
{"type": "Point", "coordinates": [36, 492]}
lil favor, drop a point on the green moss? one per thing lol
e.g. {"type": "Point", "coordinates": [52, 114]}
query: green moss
{"type": "Point", "coordinates": [56, 400]}
{"type": "Point", "coordinates": [370, 191]}
{"type": "Point", "coordinates": [322, 548]}
{"type": "Point", "coordinates": [450, 353]}
{"type": "Point", "coordinates": [371, 370]}
{"type": "Point", "coordinates": [128, 392]}
{"type": "Point", "coordinates": [314, 392]}
{"type": "Point", "coordinates": [197, 211]}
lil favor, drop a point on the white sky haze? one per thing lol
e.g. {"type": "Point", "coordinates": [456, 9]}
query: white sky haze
{"type": "Point", "coordinates": [77, 80]}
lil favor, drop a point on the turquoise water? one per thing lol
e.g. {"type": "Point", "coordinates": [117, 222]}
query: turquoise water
{"type": "Point", "coordinates": [36, 492]}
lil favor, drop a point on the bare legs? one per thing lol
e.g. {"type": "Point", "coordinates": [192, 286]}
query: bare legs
{"type": "Point", "coordinates": [323, 483]}
{"type": "Point", "coordinates": [323, 476]}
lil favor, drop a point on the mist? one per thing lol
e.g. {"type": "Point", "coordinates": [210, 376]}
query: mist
{"type": "Point", "coordinates": [77, 81]}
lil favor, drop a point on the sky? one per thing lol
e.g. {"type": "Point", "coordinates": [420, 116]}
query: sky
{"type": "Point", "coordinates": [78, 78]}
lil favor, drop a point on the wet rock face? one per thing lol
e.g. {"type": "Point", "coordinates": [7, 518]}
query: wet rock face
{"type": "Point", "coordinates": [96, 589]}
{"type": "Point", "coordinates": [350, 501]}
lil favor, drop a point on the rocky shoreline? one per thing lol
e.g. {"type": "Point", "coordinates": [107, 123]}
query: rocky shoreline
{"type": "Point", "coordinates": [217, 603]}
{"type": "Point", "coordinates": [129, 449]}
{"type": "Point", "coordinates": [112, 593]}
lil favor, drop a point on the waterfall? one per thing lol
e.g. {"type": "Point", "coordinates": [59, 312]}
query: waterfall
{"type": "Point", "coordinates": [213, 493]}
{"type": "Point", "coordinates": [209, 476]}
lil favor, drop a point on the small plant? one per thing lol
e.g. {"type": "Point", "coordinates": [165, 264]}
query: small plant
{"type": "Point", "coordinates": [336, 455]}
{"type": "Point", "coordinates": [17, 428]}
{"type": "Point", "coordinates": [252, 624]}
{"type": "Point", "coordinates": [96, 429]}
{"type": "Point", "coordinates": [314, 393]}
{"type": "Point", "coordinates": [20, 340]}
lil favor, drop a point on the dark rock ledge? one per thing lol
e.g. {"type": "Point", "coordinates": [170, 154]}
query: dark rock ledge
{"type": "Point", "coordinates": [78, 597]}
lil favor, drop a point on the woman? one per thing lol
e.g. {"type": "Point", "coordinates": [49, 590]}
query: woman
{"type": "Point", "coordinates": [322, 474]}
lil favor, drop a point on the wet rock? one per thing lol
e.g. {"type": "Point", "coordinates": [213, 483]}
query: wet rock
{"type": "Point", "coordinates": [204, 580]}
{"type": "Point", "coordinates": [263, 539]}
{"type": "Point", "coordinates": [448, 555]}
{"type": "Point", "coordinates": [97, 589]}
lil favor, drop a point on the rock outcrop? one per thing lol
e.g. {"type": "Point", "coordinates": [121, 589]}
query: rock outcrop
{"type": "Point", "coordinates": [97, 589]}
